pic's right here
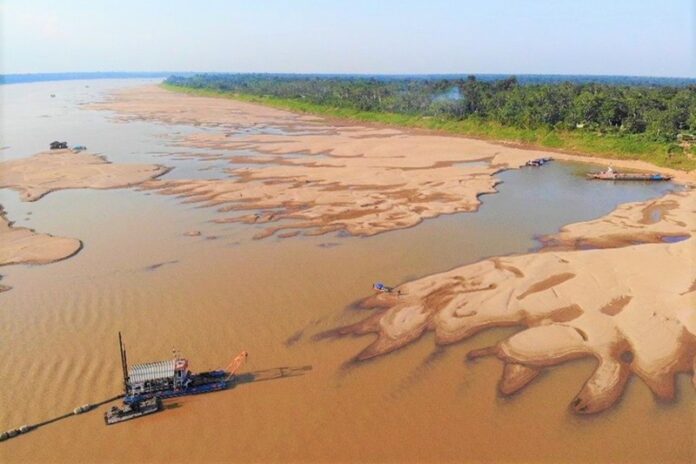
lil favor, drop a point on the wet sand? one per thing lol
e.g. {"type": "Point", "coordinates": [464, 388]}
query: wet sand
{"type": "Point", "coordinates": [212, 298]}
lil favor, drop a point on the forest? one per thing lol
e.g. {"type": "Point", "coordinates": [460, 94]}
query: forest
{"type": "Point", "coordinates": [654, 122]}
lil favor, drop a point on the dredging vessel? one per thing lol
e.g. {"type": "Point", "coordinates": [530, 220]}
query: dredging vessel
{"type": "Point", "coordinates": [146, 385]}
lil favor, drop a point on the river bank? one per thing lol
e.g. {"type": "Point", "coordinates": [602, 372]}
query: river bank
{"type": "Point", "coordinates": [583, 143]}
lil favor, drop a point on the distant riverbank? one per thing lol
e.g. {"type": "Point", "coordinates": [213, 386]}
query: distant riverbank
{"type": "Point", "coordinates": [27, 78]}
{"type": "Point", "coordinates": [578, 142]}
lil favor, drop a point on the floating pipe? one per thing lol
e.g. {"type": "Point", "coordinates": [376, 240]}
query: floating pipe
{"type": "Point", "coordinates": [83, 408]}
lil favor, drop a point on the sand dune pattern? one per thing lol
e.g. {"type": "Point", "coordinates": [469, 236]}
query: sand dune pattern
{"type": "Point", "coordinates": [632, 307]}
{"type": "Point", "coordinates": [359, 180]}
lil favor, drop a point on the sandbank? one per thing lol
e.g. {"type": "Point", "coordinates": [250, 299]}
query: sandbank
{"type": "Point", "coordinates": [20, 245]}
{"type": "Point", "coordinates": [45, 172]}
{"type": "Point", "coordinates": [632, 307]}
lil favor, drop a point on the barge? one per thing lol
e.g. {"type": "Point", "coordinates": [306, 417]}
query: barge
{"type": "Point", "coordinates": [610, 174]}
{"type": "Point", "coordinates": [146, 385]}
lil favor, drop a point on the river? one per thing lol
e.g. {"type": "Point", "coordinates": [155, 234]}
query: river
{"type": "Point", "coordinates": [214, 295]}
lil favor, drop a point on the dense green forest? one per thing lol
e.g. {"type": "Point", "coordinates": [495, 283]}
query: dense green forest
{"type": "Point", "coordinates": [656, 123]}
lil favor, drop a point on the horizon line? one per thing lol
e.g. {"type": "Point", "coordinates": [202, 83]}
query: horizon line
{"type": "Point", "coordinates": [323, 73]}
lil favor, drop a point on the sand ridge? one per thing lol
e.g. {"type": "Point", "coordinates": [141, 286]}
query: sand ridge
{"type": "Point", "coordinates": [633, 308]}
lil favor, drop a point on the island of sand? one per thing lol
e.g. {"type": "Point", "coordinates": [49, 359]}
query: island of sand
{"type": "Point", "coordinates": [42, 173]}
{"type": "Point", "coordinates": [627, 298]}
{"type": "Point", "coordinates": [45, 172]}
{"type": "Point", "coordinates": [20, 245]}
{"type": "Point", "coordinates": [597, 289]}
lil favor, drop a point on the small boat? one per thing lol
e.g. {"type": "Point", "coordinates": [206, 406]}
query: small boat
{"type": "Point", "coordinates": [132, 410]}
{"type": "Point", "coordinates": [610, 174]}
{"type": "Point", "coordinates": [380, 287]}
{"type": "Point", "coordinates": [78, 148]}
{"type": "Point", "coordinates": [538, 162]}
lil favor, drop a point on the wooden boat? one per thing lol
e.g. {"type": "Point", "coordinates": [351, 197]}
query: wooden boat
{"type": "Point", "coordinates": [610, 174]}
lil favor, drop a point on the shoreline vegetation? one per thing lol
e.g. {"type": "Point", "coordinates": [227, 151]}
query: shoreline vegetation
{"type": "Point", "coordinates": [626, 122]}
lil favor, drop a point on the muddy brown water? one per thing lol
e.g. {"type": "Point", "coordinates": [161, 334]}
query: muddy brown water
{"type": "Point", "coordinates": [214, 295]}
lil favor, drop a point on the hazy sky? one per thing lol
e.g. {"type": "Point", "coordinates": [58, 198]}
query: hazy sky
{"type": "Point", "coordinates": [636, 37]}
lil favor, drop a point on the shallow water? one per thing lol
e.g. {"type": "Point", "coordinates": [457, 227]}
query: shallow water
{"type": "Point", "coordinates": [214, 295]}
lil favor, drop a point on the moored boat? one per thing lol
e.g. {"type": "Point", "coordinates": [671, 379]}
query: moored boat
{"type": "Point", "coordinates": [610, 174]}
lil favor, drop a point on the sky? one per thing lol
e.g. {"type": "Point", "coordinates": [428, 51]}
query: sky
{"type": "Point", "coordinates": [612, 37]}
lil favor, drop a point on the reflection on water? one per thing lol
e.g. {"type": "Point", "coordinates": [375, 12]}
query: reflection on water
{"type": "Point", "coordinates": [139, 274]}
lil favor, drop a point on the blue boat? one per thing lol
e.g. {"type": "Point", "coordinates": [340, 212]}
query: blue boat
{"type": "Point", "coordinates": [380, 287]}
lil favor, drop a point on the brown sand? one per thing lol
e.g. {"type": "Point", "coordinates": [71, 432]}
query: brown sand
{"type": "Point", "coordinates": [45, 172]}
{"type": "Point", "coordinates": [632, 308]}
{"type": "Point", "coordinates": [19, 245]}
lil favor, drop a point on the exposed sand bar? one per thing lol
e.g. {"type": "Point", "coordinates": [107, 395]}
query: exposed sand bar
{"type": "Point", "coordinates": [633, 307]}
{"type": "Point", "coordinates": [357, 179]}
{"type": "Point", "coordinates": [19, 245]}
{"type": "Point", "coordinates": [37, 175]}
{"type": "Point", "coordinates": [361, 180]}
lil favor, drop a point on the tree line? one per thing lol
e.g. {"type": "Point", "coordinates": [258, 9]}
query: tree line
{"type": "Point", "coordinates": [660, 112]}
